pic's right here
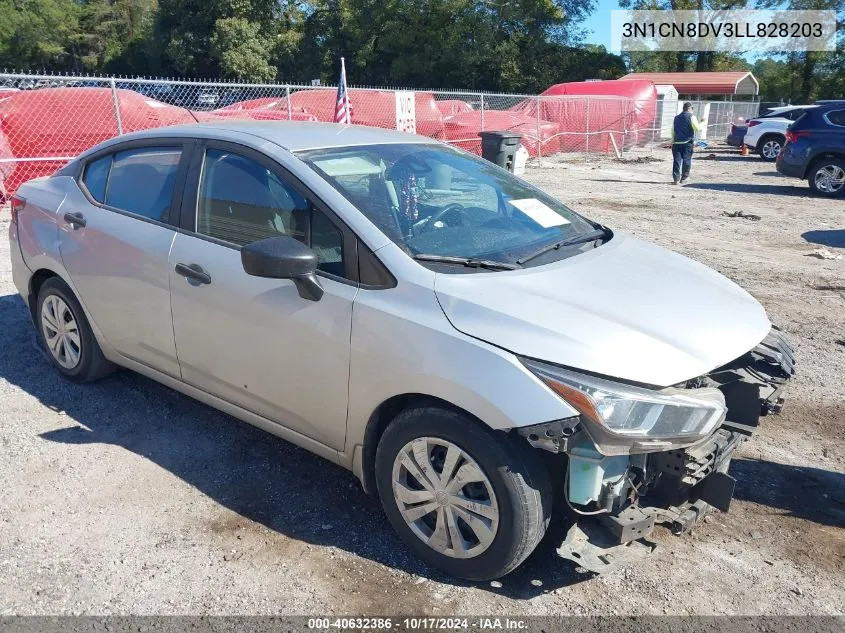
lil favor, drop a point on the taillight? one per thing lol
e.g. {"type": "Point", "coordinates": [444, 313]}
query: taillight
{"type": "Point", "coordinates": [753, 123]}
{"type": "Point", "coordinates": [792, 136]}
{"type": "Point", "coordinates": [16, 203]}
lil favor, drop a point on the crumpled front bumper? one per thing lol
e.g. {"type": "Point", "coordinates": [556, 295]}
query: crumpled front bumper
{"type": "Point", "coordinates": [679, 487]}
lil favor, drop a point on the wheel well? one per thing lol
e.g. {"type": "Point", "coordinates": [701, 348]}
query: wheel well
{"type": "Point", "coordinates": [823, 157]}
{"type": "Point", "coordinates": [769, 136]}
{"type": "Point", "coordinates": [36, 281]}
{"type": "Point", "coordinates": [818, 159]}
{"type": "Point", "coordinates": [383, 416]}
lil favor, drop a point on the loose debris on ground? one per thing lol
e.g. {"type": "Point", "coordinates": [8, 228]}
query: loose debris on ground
{"type": "Point", "coordinates": [825, 253]}
{"type": "Point", "coordinates": [741, 214]}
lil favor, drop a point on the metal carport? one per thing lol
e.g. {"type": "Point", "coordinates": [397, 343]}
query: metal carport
{"type": "Point", "coordinates": [704, 84]}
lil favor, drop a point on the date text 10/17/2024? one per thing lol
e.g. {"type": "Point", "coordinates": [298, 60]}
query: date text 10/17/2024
{"type": "Point", "coordinates": [418, 624]}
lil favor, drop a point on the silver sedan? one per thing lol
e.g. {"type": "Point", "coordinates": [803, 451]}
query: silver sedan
{"type": "Point", "coordinates": [476, 352]}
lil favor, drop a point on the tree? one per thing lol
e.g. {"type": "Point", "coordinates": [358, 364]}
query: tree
{"type": "Point", "coordinates": [507, 45]}
{"type": "Point", "coordinates": [241, 50]}
{"type": "Point", "coordinates": [816, 71]}
{"type": "Point", "coordinates": [38, 34]}
{"type": "Point", "coordinates": [115, 34]}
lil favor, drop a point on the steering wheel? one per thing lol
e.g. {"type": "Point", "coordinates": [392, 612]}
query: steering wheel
{"type": "Point", "coordinates": [433, 219]}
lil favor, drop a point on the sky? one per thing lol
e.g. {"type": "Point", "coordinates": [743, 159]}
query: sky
{"type": "Point", "coordinates": [597, 26]}
{"type": "Point", "coordinates": [599, 23]}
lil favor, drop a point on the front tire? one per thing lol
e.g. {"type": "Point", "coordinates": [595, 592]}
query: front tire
{"type": "Point", "coordinates": [67, 335]}
{"type": "Point", "coordinates": [469, 501]}
{"type": "Point", "coordinates": [827, 177]}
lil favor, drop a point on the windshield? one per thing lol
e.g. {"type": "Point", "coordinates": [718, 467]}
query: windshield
{"type": "Point", "coordinates": [437, 200]}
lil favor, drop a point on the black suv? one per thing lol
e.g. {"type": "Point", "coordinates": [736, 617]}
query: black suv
{"type": "Point", "coordinates": [815, 149]}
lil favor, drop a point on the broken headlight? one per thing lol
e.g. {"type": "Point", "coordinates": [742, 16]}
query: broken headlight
{"type": "Point", "coordinates": [627, 419]}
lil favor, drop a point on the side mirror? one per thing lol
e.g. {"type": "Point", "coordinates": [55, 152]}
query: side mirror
{"type": "Point", "coordinates": [284, 258]}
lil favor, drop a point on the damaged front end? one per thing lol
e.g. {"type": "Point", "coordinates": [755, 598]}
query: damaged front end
{"type": "Point", "coordinates": [638, 457]}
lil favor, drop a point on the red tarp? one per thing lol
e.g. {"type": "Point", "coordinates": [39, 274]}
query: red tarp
{"type": "Point", "coordinates": [255, 114]}
{"type": "Point", "coordinates": [462, 130]}
{"type": "Point", "coordinates": [448, 107]}
{"type": "Point", "coordinates": [62, 123]}
{"type": "Point", "coordinates": [616, 107]}
{"type": "Point", "coordinates": [376, 108]}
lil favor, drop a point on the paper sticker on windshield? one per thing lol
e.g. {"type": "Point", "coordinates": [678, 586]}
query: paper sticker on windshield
{"type": "Point", "coordinates": [542, 214]}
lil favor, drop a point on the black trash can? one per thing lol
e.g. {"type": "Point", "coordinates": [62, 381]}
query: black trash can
{"type": "Point", "coordinates": [500, 147]}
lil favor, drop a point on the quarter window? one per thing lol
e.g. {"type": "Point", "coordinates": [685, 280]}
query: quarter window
{"type": "Point", "coordinates": [836, 117]}
{"type": "Point", "coordinates": [97, 177]}
{"type": "Point", "coordinates": [240, 201]}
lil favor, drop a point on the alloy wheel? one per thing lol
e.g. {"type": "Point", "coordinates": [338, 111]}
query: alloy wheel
{"type": "Point", "coordinates": [445, 497]}
{"type": "Point", "coordinates": [771, 149]}
{"type": "Point", "coordinates": [830, 179]}
{"type": "Point", "coordinates": [61, 332]}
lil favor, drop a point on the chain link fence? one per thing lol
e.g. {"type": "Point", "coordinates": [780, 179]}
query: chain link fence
{"type": "Point", "coordinates": [47, 120]}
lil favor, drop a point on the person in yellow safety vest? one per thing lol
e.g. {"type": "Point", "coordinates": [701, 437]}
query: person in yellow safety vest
{"type": "Point", "coordinates": [683, 136]}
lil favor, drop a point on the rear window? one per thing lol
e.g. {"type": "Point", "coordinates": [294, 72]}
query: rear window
{"type": "Point", "coordinates": [139, 181]}
{"type": "Point", "coordinates": [142, 181]}
{"type": "Point", "coordinates": [800, 114]}
{"type": "Point", "coordinates": [792, 115]}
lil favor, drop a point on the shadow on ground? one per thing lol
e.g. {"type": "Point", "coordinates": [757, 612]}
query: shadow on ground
{"type": "Point", "coordinates": [252, 473]}
{"type": "Point", "coordinates": [831, 237]}
{"type": "Point", "coordinates": [287, 489]}
{"type": "Point", "coordinates": [722, 157]}
{"type": "Point", "coordinates": [736, 187]}
{"type": "Point", "coordinates": [807, 493]}
{"type": "Point", "coordinates": [667, 181]}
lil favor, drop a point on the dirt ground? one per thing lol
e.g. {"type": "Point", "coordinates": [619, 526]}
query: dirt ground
{"type": "Point", "coordinates": [125, 497]}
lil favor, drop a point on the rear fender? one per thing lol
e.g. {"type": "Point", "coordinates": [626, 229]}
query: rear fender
{"type": "Point", "coordinates": [39, 239]}
{"type": "Point", "coordinates": [38, 229]}
{"type": "Point", "coordinates": [819, 156]}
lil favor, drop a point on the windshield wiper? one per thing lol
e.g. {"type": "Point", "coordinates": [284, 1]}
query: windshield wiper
{"type": "Point", "coordinates": [601, 232]}
{"type": "Point", "coordinates": [472, 262]}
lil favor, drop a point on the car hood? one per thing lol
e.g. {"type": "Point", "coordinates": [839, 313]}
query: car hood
{"type": "Point", "coordinates": [627, 309]}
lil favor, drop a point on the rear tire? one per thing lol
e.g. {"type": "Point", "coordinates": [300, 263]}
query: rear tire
{"type": "Point", "coordinates": [503, 507]}
{"type": "Point", "coordinates": [770, 146]}
{"type": "Point", "coordinates": [827, 177]}
{"type": "Point", "coordinates": [66, 334]}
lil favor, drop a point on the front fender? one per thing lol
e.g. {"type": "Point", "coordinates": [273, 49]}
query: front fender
{"type": "Point", "coordinates": [402, 343]}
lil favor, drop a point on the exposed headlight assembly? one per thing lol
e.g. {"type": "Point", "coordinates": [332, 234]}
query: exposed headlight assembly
{"type": "Point", "coordinates": [624, 419]}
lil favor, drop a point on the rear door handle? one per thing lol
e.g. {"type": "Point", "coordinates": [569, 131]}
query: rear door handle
{"type": "Point", "coordinates": [193, 272]}
{"type": "Point", "coordinates": [77, 219]}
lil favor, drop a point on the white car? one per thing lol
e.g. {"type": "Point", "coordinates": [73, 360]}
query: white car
{"type": "Point", "coordinates": [767, 133]}
{"type": "Point", "coordinates": [207, 97]}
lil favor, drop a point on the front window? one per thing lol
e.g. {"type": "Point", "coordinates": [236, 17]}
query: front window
{"type": "Point", "coordinates": [240, 201]}
{"type": "Point", "coordinates": [440, 201]}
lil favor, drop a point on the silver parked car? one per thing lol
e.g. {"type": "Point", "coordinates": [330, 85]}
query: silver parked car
{"type": "Point", "coordinates": [473, 350]}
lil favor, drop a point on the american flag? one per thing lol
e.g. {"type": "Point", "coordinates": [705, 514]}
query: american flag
{"type": "Point", "coordinates": [342, 107]}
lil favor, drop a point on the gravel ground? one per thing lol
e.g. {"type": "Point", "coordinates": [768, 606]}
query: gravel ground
{"type": "Point", "coordinates": [125, 497]}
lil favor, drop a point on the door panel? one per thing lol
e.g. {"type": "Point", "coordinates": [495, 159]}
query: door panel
{"type": "Point", "coordinates": [256, 343]}
{"type": "Point", "coordinates": [119, 265]}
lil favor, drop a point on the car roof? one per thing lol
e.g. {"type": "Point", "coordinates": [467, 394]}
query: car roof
{"type": "Point", "coordinates": [788, 108]}
{"type": "Point", "coordinates": [295, 136]}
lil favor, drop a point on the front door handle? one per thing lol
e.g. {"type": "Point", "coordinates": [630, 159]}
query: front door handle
{"type": "Point", "coordinates": [77, 219]}
{"type": "Point", "coordinates": [193, 272]}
